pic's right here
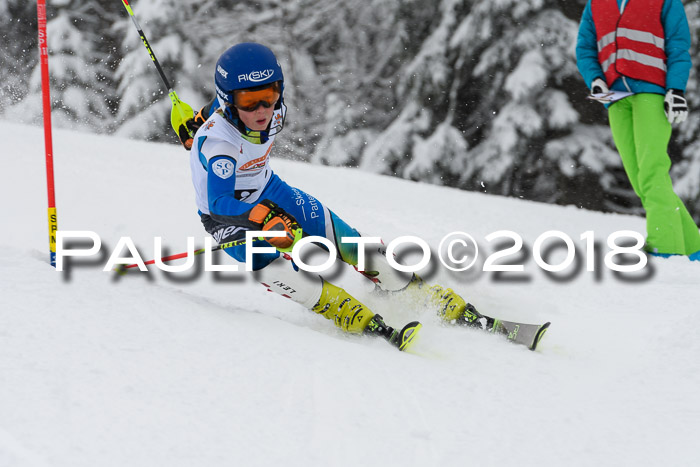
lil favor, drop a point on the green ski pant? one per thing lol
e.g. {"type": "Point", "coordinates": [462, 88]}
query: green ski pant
{"type": "Point", "coordinates": [641, 133]}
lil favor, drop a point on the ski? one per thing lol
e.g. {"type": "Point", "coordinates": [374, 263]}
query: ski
{"type": "Point", "coordinates": [528, 335]}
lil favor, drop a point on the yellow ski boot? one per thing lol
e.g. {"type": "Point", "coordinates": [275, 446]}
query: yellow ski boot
{"type": "Point", "coordinates": [449, 305]}
{"type": "Point", "coordinates": [352, 316]}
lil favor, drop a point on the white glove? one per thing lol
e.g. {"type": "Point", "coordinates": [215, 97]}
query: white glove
{"type": "Point", "coordinates": [598, 86]}
{"type": "Point", "coordinates": [675, 106]}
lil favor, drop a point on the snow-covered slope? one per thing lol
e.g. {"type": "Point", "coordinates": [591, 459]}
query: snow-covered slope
{"type": "Point", "coordinates": [204, 369]}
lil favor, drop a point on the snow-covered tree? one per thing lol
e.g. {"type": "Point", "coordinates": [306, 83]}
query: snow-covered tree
{"type": "Point", "coordinates": [353, 51]}
{"type": "Point", "coordinates": [81, 66]}
{"type": "Point", "coordinates": [489, 103]}
{"type": "Point", "coordinates": [18, 54]}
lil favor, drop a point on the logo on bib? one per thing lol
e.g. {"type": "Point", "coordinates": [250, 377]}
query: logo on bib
{"type": "Point", "coordinates": [223, 168]}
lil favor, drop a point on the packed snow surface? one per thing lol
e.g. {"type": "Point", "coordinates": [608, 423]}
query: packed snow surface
{"type": "Point", "coordinates": [209, 369]}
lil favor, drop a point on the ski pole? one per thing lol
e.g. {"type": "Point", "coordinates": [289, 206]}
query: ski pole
{"type": "Point", "coordinates": [181, 109]}
{"type": "Point", "coordinates": [124, 268]}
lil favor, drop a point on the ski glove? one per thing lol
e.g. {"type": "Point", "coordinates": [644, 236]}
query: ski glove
{"type": "Point", "coordinates": [186, 127]}
{"type": "Point", "coordinates": [675, 106]}
{"type": "Point", "coordinates": [180, 115]}
{"type": "Point", "coordinates": [598, 86]}
{"type": "Point", "coordinates": [272, 218]}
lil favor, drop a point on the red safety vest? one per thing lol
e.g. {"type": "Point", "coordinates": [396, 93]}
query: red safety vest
{"type": "Point", "coordinates": [631, 44]}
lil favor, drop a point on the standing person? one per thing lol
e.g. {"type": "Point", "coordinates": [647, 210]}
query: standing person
{"type": "Point", "coordinates": [237, 190]}
{"type": "Point", "coordinates": [641, 46]}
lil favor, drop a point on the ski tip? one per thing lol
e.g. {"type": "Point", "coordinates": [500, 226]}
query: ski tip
{"type": "Point", "coordinates": [408, 334]}
{"type": "Point", "coordinates": [539, 335]}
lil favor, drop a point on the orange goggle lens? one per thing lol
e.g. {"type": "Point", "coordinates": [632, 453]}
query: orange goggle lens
{"type": "Point", "coordinates": [248, 101]}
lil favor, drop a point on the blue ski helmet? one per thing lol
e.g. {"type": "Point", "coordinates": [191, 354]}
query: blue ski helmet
{"type": "Point", "coordinates": [243, 66]}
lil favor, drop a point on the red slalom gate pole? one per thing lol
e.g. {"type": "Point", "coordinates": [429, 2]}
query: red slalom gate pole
{"type": "Point", "coordinates": [48, 142]}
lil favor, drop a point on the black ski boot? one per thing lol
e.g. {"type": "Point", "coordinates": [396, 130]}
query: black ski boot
{"type": "Point", "coordinates": [472, 318]}
{"type": "Point", "coordinates": [400, 339]}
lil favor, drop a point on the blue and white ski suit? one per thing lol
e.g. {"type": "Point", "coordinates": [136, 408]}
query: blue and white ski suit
{"type": "Point", "coordinates": [231, 174]}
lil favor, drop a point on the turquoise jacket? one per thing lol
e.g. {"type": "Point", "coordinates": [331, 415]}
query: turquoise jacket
{"type": "Point", "coordinates": [677, 45]}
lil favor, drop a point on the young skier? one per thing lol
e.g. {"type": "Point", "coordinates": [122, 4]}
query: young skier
{"type": "Point", "coordinates": [641, 46]}
{"type": "Point", "coordinates": [237, 190]}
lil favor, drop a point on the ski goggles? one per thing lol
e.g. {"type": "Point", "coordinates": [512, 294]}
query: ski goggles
{"type": "Point", "coordinates": [249, 100]}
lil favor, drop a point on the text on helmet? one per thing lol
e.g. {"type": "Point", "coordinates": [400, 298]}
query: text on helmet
{"type": "Point", "coordinates": [256, 76]}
